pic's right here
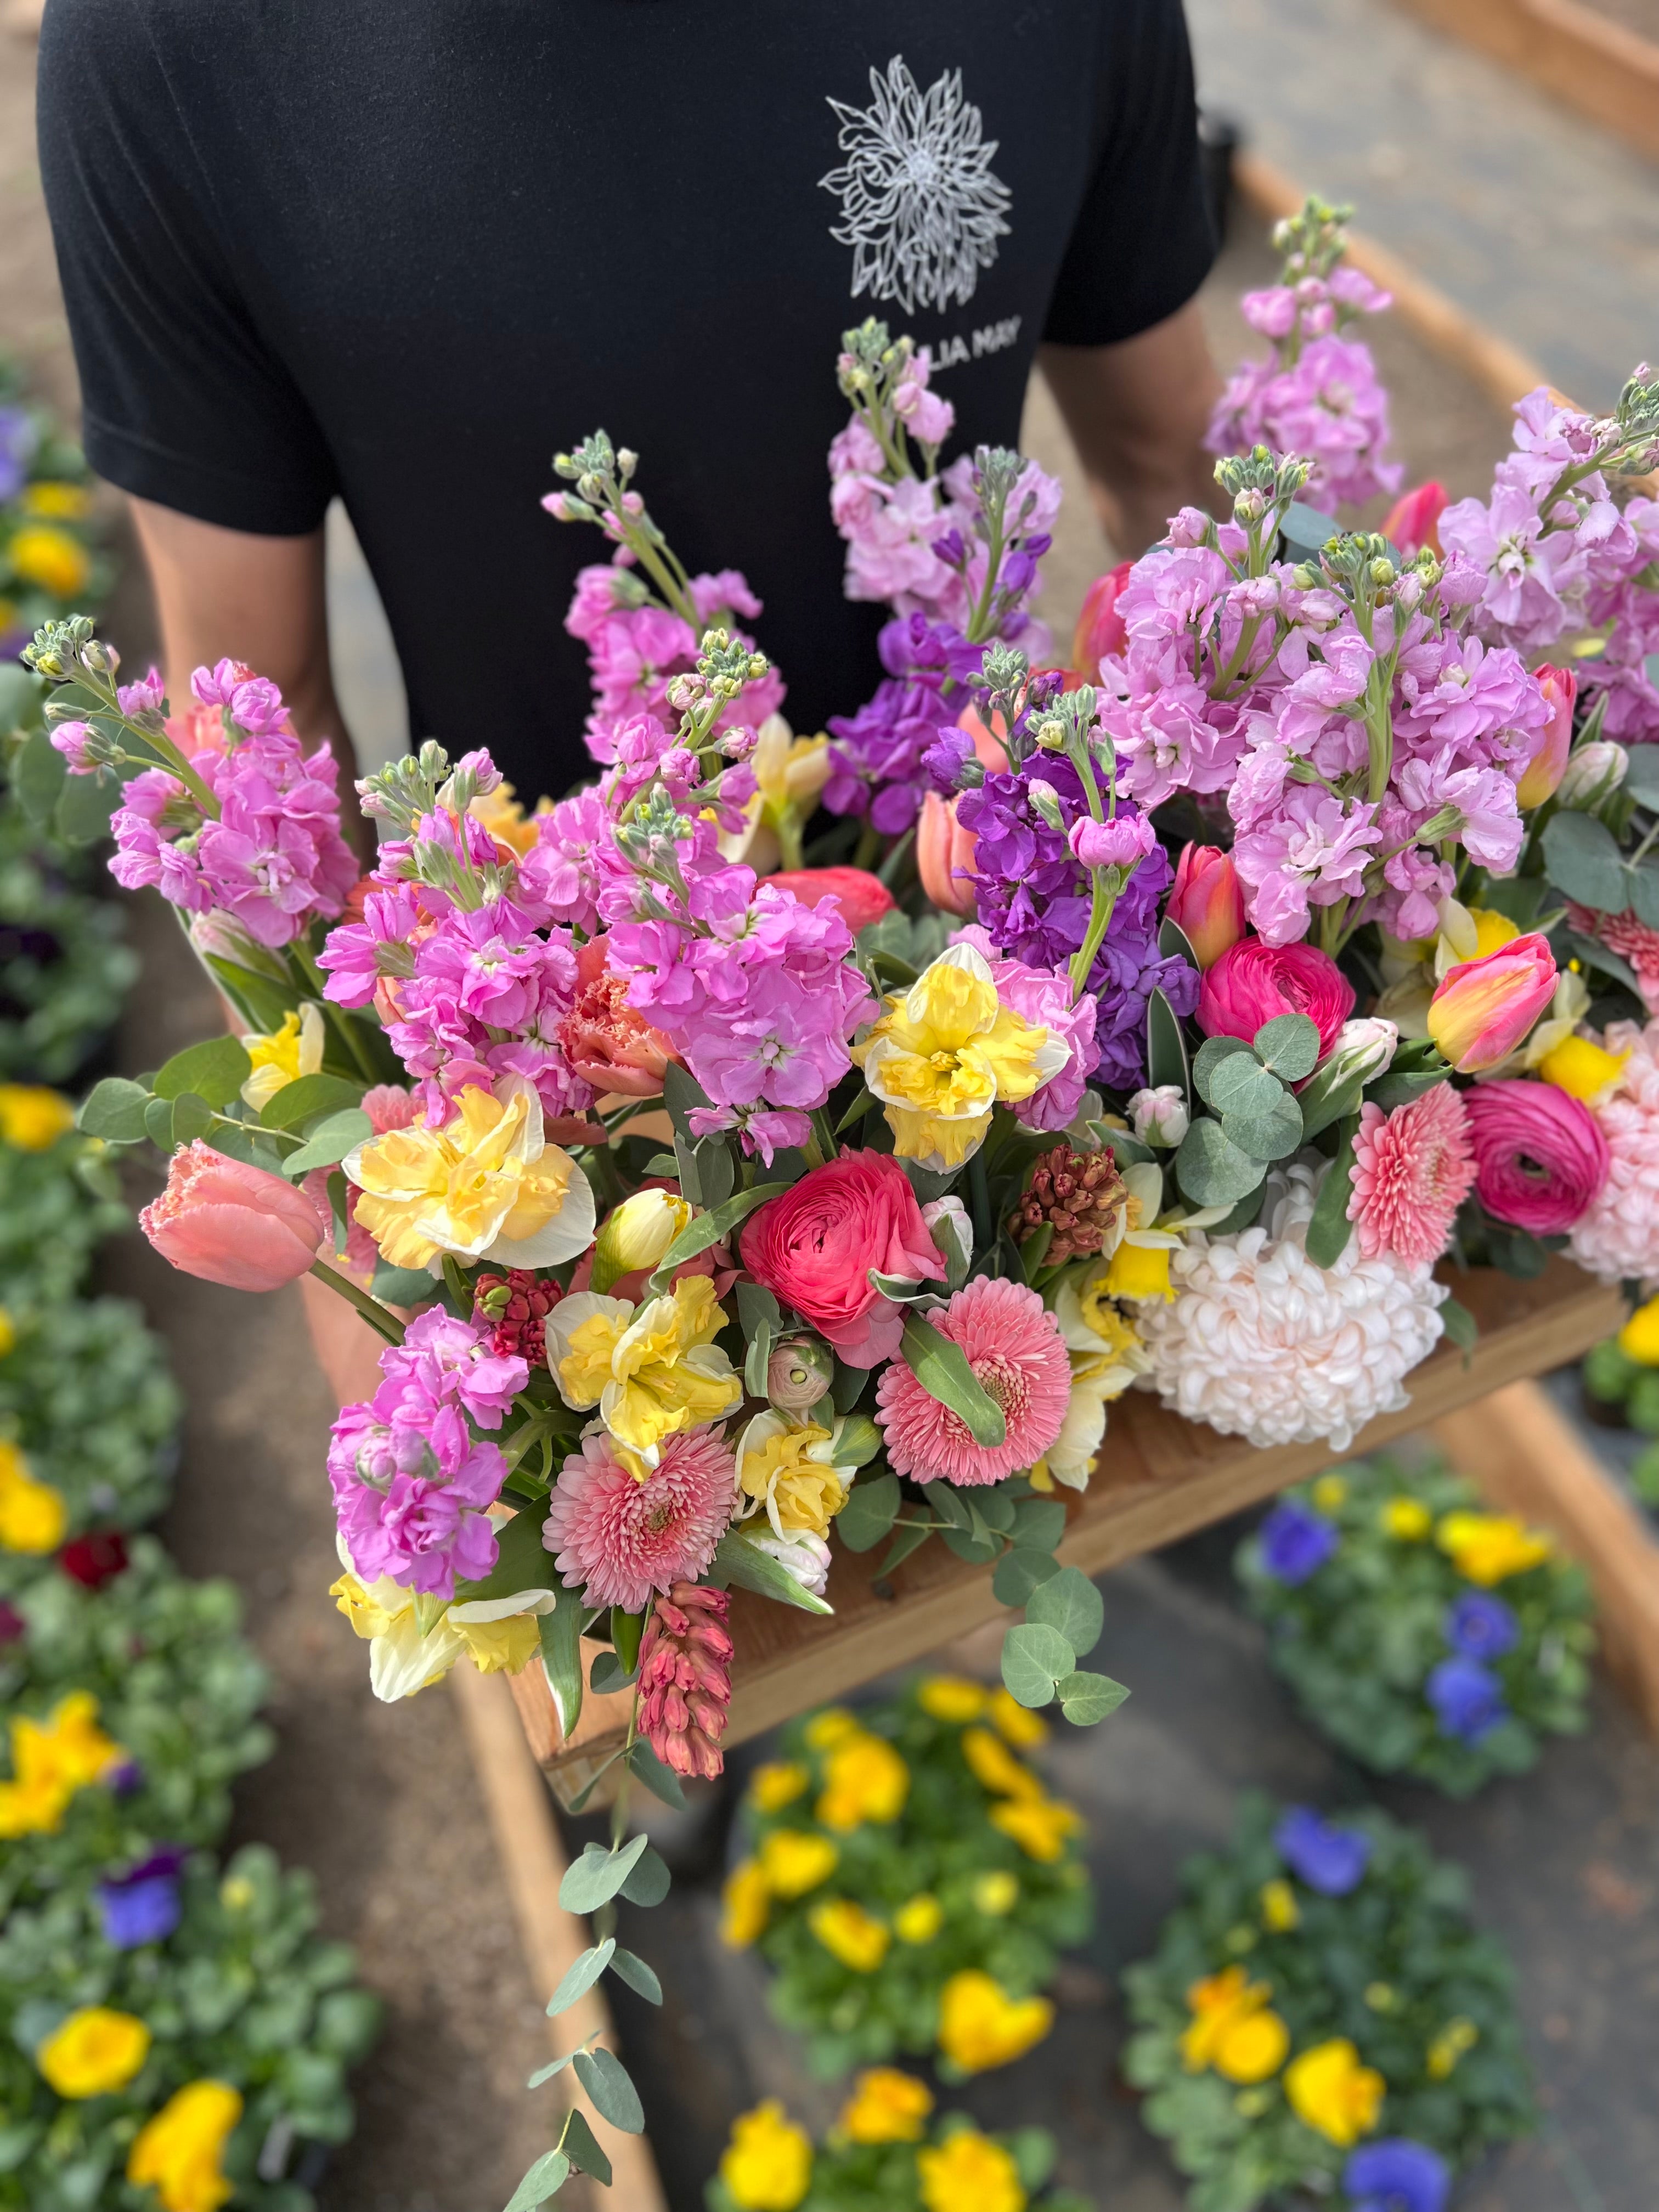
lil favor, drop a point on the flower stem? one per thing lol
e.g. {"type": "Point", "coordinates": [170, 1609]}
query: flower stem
{"type": "Point", "coordinates": [379, 1318]}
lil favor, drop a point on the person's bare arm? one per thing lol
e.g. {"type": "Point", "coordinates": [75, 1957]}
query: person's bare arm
{"type": "Point", "coordinates": [1137, 412]}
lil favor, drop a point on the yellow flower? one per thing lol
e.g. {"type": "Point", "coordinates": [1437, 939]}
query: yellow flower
{"type": "Point", "coordinates": [7, 1332]}
{"type": "Point", "coordinates": [51, 558]}
{"type": "Point", "coordinates": [1583, 1070]}
{"type": "Point", "coordinates": [885, 2107]}
{"type": "Point", "coordinates": [1140, 1271]}
{"type": "Point", "coordinates": [767, 2165]}
{"type": "Point", "coordinates": [777, 1784]}
{"type": "Point", "coordinates": [1407, 1520]}
{"type": "Point", "coordinates": [1232, 2029]}
{"type": "Point", "coordinates": [1015, 1722]}
{"type": "Point", "coordinates": [487, 1185]}
{"type": "Point", "coordinates": [1489, 1548]}
{"type": "Point", "coordinates": [412, 1645]}
{"type": "Point", "coordinates": [236, 1893]}
{"type": "Point", "coordinates": [32, 1515]}
{"type": "Point", "coordinates": [996, 1893]}
{"type": "Point", "coordinates": [1039, 1825]}
{"type": "Point", "coordinates": [981, 2026]}
{"type": "Point", "coordinates": [501, 1634]}
{"type": "Point", "coordinates": [951, 1697]}
{"type": "Point", "coordinates": [178, 2151]}
{"type": "Point", "coordinates": [506, 820]}
{"type": "Point", "coordinates": [652, 1369]}
{"type": "Point", "coordinates": [93, 2051]}
{"type": "Point", "coordinates": [863, 1779]}
{"type": "Point", "coordinates": [32, 1118]}
{"type": "Point", "coordinates": [1456, 2037]}
{"type": "Point", "coordinates": [994, 1767]}
{"type": "Point", "coordinates": [636, 1234]}
{"type": "Point", "coordinates": [1331, 2092]}
{"type": "Point", "coordinates": [969, 2172]}
{"type": "Point", "coordinates": [789, 774]}
{"type": "Point", "coordinates": [789, 1470]}
{"type": "Point", "coordinates": [745, 1905]}
{"type": "Point", "coordinates": [831, 1727]}
{"type": "Point", "coordinates": [50, 1761]}
{"type": "Point", "coordinates": [55, 502]}
{"type": "Point", "coordinates": [1638, 1339]}
{"type": "Point", "coordinates": [794, 1861]}
{"type": "Point", "coordinates": [1329, 1492]}
{"type": "Point", "coordinates": [847, 1933]}
{"type": "Point", "coordinates": [945, 1052]}
{"type": "Point", "coordinates": [1379, 1996]}
{"type": "Point", "coordinates": [1279, 1909]}
{"type": "Point", "coordinates": [283, 1056]}
{"type": "Point", "coordinates": [919, 1919]}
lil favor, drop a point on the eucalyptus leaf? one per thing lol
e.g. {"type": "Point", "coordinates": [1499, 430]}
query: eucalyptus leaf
{"type": "Point", "coordinates": [330, 1142]}
{"type": "Point", "coordinates": [661, 1781]}
{"type": "Point", "coordinates": [1240, 1084]}
{"type": "Point", "coordinates": [582, 2147]}
{"type": "Point", "coordinates": [1210, 1169]}
{"type": "Point", "coordinates": [941, 1368]}
{"type": "Point", "coordinates": [1459, 1325]}
{"type": "Point", "coordinates": [950, 1505]}
{"type": "Point", "coordinates": [978, 1546]}
{"type": "Point", "coordinates": [158, 1122]}
{"type": "Point", "coordinates": [629, 1967]}
{"type": "Point", "coordinates": [598, 1873]}
{"type": "Point", "coordinates": [214, 1070]}
{"type": "Point", "coordinates": [1642, 882]}
{"type": "Point", "coordinates": [1273, 1135]}
{"type": "Point", "coordinates": [1085, 1699]}
{"type": "Point", "coordinates": [545, 2178]}
{"type": "Point", "coordinates": [870, 1512]}
{"type": "Point", "coordinates": [404, 1286]}
{"type": "Point", "coordinates": [308, 1095]}
{"type": "Point", "coordinates": [1289, 1044]}
{"type": "Point", "coordinates": [1039, 1522]}
{"type": "Point", "coordinates": [38, 775]}
{"type": "Point", "coordinates": [648, 1882]}
{"type": "Point", "coordinates": [1641, 777]}
{"type": "Point", "coordinates": [114, 1110]}
{"type": "Point", "coordinates": [605, 2077]}
{"type": "Point", "coordinates": [1209, 1057]}
{"type": "Point", "coordinates": [1034, 1659]}
{"type": "Point", "coordinates": [1069, 1602]}
{"type": "Point", "coordinates": [1020, 1572]}
{"type": "Point", "coordinates": [1582, 858]}
{"type": "Point", "coordinates": [905, 1541]}
{"type": "Point", "coordinates": [580, 1977]}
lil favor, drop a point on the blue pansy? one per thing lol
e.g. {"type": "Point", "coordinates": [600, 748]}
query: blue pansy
{"type": "Point", "coordinates": [142, 1905]}
{"type": "Point", "coordinates": [1329, 1859]}
{"type": "Point", "coordinates": [1397, 2175]}
{"type": "Point", "coordinates": [1296, 1542]}
{"type": "Point", "coordinates": [1481, 1626]}
{"type": "Point", "coordinates": [1468, 1699]}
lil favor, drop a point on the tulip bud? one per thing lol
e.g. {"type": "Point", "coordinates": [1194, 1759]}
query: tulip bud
{"type": "Point", "coordinates": [1593, 772]}
{"type": "Point", "coordinates": [1159, 1116]}
{"type": "Point", "coordinates": [1544, 771]}
{"type": "Point", "coordinates": [1100, 627]}
{"type": "Point", "coordinates": [799, 1373]}
{"type": "Point", "coordinates": [636, 1234]}
{"type": "Point", "coordinates": [1485, 1008]}
{"type": "Point", "coordinates": [231, 1223]}
{"type": "Point", "coordinates": [1206, 903]}
{"type": "Point", "coordinates": [944, 856]}
{"type": "Point", "coordinates": [1120, 842]}
{"type": "Point", "coordinates": [1414, 521]}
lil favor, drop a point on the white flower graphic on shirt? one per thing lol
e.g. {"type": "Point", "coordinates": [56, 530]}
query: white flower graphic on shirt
{"type": "Point", "coordinates": [920, 207]}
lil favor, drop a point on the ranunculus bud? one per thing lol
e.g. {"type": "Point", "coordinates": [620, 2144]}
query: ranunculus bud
{"type": "Point", "coordinates": [1159, 1116]}
{"type": "Point", "coordinates": [799, 1373]}
{"type": "Point", "coordinates": [1545, 769]}
{"type": "Point", "coordinates": [1120, 842]}
{"type": "Point", "coordinates": [1206, 902]}
{"type": "Point", "coordinates": [1484, 1008]}
{"type": "Point", "coordinates": [1099, 627]}
{"type": "Point", "coordinates": [1593, 772]}
{"type": "Point", "coordinates": [636, 1234]}
{"type": "Point", "coordinates": [944, 856]}
{"type": "Point", "coordinates": [232, 1223]}
{"type": "Point", "coordinates": [1414, 521]}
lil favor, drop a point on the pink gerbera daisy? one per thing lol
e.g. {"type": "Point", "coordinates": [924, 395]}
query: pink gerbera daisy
{"type": "Point", "coordinates": [620, 1539]}
{"type": "Point", "coordinates": [1018, 1356]}
{"type": "Point", "coordinates": [1412, 1171]}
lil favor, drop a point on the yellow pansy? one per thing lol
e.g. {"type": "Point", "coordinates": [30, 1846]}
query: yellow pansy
{"type": "Point", "coordinates": [1332, 2092]}
{"type": "Point", "coordinates": [885, 2107]}
{"type": "Point", "coordinates": [919, 1919]}
{"type": "Point", "coordinates": [1279, 1909]}
{"type": "Point", "coordinates": [1638, 1339]}
{"type": "Point", "coordinates": [863, 1779]}
{"type": "Point", "coordinates": [981, 2026]}
{"type": "Point", "coordinates": [831, 1727]}
{"type": "Point", "coordinates": [236, 1893]}
{"type": "Point", "coordinates": [485, 1186]}
{"type": "Point", "coordinates": [969, 2172]}
{"type": "Point", "coordinates": [1231, 2028]}
{"type": "Point", "coordinates": [7, 1332]}
{"type": "Point", "coordinates": [996, 1893]}
{"type": "Point", "coordinates": [952, 1697]}
{"type": "Point", "coordinates": [745, 1905]}
{"type": "Point", "coordinates": [1583, 1069]}
{"type": "Point", "coordinates": [31, 1117]}
{"type": "Point", "coordinates": [994, 1767]}
{"type": "Point", "coordinates": [847, 1933]}
{"type": "Point", "coordinates": [1039, 1825]}
{"type": "Point", "coordinates": [179, 2151]}
{"type": "Point", "coordinates": [51, 558]}
{"type": "Point", "coordinates": [945, 1052]}
{"type": "Point", "coordinates": [1329, 1491]}
{"type": "Point", "coordinates": [93, 2051]}
{"type": "Point", "coordinates": [54, 501]}
{"type": "Point", "coordinates": [778, 1783]}
{"type": "Point", "coordinates": [767, 2166]}
{"type": "Point", "coordinates": [506, 820]}
{"type": "Point", "coordinates": [283, 1056]}
{"type": "Point", "coordinates": [1379, 1996]}
{"type": "Point", "coordinates": [1489, 1548]}
{"type": "Point", "coordinates": [652, 1369]}
{"type": "Point", "coordinates": [50, 1760]}
{"type": "Point", "coordinates": [1407, 1519]}
{"type": "Point", "coordinates": [1014, 1722]}
{"type": "Point", "coordinates": [794, 1861]}
{"type": "Point", "coordinates": [787, 1470]}
{"type": "Point", "coordinates": [636, 1234]}
{"type": "Point", "coordinates": [32, 1515]}
{"type": "Point", "coordinates": [1456, 2037]}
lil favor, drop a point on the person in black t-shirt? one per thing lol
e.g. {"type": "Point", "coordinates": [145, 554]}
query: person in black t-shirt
{"type": "Point", "coordinates": [398, 251]}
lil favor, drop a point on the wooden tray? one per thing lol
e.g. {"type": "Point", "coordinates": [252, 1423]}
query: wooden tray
{"type": "Point", "coordinates": [1158, 1478]}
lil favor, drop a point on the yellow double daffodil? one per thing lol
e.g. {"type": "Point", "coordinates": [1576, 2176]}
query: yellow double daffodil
{"type": "Point", "coordinates": [413, 1644]}
{"type": "Point", "coordinates": [283, 1056]}
{"type": "Point", "coordinates": [787, 1470]}
{"type": "Point", "coordinates": [652, 1369]}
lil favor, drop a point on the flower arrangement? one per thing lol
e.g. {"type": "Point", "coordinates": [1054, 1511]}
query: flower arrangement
{"type": "Point", "coordinates": [1320, 2015]}
{"type": "Point", "coordinates": [909, 1881]}
{"type": "Point", "coordinates": [1422, 1634]}
{"type": "Point", "coordinates": [886, 2153]}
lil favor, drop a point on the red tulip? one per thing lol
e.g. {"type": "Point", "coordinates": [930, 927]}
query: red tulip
{"type": "Point", "coordinates": [1206, 902]}
{"type": "Point", "coordinates": [231, 1223]}
{"type": "Point", "coordinates": [861, 898]}
{"type": "Point", "coordinates": [1099, 627]}
{"type": "Point", "coordinates": [1414, 521]}
{"type": "Point", "coordinates": [944, 856]}
{"type": "Point", "coordinates": [1548, 764]}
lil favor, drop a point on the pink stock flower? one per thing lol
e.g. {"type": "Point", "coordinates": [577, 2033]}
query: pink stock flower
{"type": "Point", "coordinates": [1206, 903]}
{"type": "Point", "coordinates": [685, 1678]}
{"type": "Point", "coordinates": [1014, 1347]}
{"type": "Point", "coordinates": [1618, 1237]}
{"type": "Point", "coordinates": [1313, 851]}
{"type": "Point", "coordinates": [1412, 1168]}
{"type": "Point", "coordinates": [231, 1223]}
{"type": "Point", "coordinates": [814, 1245]}
{"type": "Point", "coordinates": [1252, 982]}
{"type": "Point", "coordinates": [618, 1539]}
{"type": "Point", "coordinates": [1540, 1161]}
{"type": "Point", "coordinates": [1118, 842]}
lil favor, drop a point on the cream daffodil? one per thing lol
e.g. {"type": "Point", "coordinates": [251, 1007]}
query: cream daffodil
{"type": "Point", "coordinates": [1106, 1356]}
{"type": "Point", "coordinates": [414, 1642]}
{"type": "Point", "coordinates": [636, 1234]}
{"type": "Point", "coordinates": [945, 1052]}
{"type": "Point", "coordinates": [485, 1186]}
{"type": "Point", "coordinates": [283, 1056]}
{"type": "Point", "coordinates": [652, 1369]}
{"type": "Point", "coordinates": [790, 772]}
{"type": "Point", "coordinates": [788, 1468]}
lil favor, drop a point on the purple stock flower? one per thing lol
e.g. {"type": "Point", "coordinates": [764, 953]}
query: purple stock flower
{"type": "Point", "coordinates": [143, 1904]}
{"type": "Point", "coordinates": [1479, 1625]}
{"type": "Point", "coordinates": [1329, 1859]}
{"type": "Point", "coordinates": [1397, 2175]}
{"type": "Point", "coordinates": [1468, 1699]}
{"type": "Point", "coordinates": [1295, 1542]}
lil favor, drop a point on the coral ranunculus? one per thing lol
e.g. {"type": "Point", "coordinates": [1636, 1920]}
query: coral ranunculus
{"type": "Point", "coordinates": [814, 1248]}
{"type": "Point", "coordinates": [944, 856]}
{"type": "Point", "coordinates": [1251, 982]}
{"type": "Point", "coordinates": [232, 1223]}
{"type": "Point", "coordinates": [1540, 1158]}
{"type": "Point", "coordinates": [1206, 902]}
{"type": "Point", "coordinates": [607, 1043]}
{"type": "Point", "coordinates": [859, 898]}
{"type": "Point", "coordinates": [1484, 1008]}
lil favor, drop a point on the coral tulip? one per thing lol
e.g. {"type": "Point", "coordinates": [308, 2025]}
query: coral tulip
{"type": "Point", "coordinates": [230, 1222]}
{"type": "Point", "coordinates": [1099, 627]}
{"type": "Point", "coordinates": [1548, 764]}
{"type": "Point", "coordinates": [944, 856]}
{"type": "Point", "coordinates": [859, 898]}
{"type": "Point", "coordinates": [607, 1043]}
{"type": "Point", "coordinates": [990, 748]}
{"type": "Point", "coordinates": [1414, 521]}
{"type": "Point", "coordinates": [1206, 902]}
{"type": "Point", "coordinates": [1484, 1008]}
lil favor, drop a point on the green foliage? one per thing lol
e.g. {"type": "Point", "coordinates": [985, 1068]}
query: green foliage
{"type": "Point", "coordinates": [56, 1208]}
{"type": "Point", "coordinates": [64, 969]}
{"type": "Point", "coordinates": [86, 1394]}
{"type": "Point", "coordinates": [1390, 1966]}
{"type": "Point", "coordinates": [1357, 1639]}
{"type": "Point", "coordinates": [888, 2177]}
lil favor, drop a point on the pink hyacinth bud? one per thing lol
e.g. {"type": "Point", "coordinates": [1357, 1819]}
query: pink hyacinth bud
{"type": "Point", "coordinates": [1548, 763]}
{"type": "Point", "coordinates": [944, 856]}
{"type": "Point", "coordinates": [1414, 522]}
{"type": "Point", "coordinates": [1206, 902]}
{"type": "Point", "coordinates": [1099, 627]}
{"type": "Point", "coordinates": [232, 1223]}
{"type": "Point", "coordinates": [1117, 843]}
{"type": "Point", "coordinates": [685, 1678]}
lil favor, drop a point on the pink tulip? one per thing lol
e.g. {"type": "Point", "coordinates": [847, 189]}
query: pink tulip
{"type": "Point", "coordinates": [859, 898]}
{"type": "Point", "coordinates": [1484, 1008]}
{"type": "Point", "coordinates": [1548, 763]}
{"type": "Point", "coordinates": [1206, 902]}
{"type": "Point", "coordinates": [607, 1043]}
{"type": "Point", "coordinates": [1414, 521]}
{"type": "Point", "coordinates": [1099, 627]}
{"type": "Point", "coordinates": [990, 748]}
{"type": "Point", "coordinates": [944, 856]}
{"type": "Point", "coordinates": [230, 1222]}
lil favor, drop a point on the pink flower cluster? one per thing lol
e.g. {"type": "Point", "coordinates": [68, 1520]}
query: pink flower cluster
{"type": "Point", "coordinates": [412, 1484]}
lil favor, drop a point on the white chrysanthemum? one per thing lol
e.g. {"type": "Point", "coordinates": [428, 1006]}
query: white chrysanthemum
{"type": "Point", "coordinates": [1618, 1237]}
{"type": "Point", "coordinates": [1261, 1343]}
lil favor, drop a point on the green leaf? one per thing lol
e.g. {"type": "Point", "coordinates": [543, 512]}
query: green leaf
{"type": "Point", "coordinates": [84, 807]}
{"type": "Point", "coordinates": [756, 1305]}
{"type": "Point", "coordinates": [1069, 1602]}
{"type": "Point", "coordinates": [661, 1781]}
{"type": "Point", "coordinates": [308, 1095]}
{"type": "Point", "coordinates": [1085, 1699]}
{"type": "Point", "coordinates": [605, 2077]}
{"type": "Point", "coordinates": [1035, 1250]}
{"type": "Point", "coordinates": [580, 1976]}
{"type": "Point", "coordinates": [948, 1504]}
{"type": "Point", "coordinates": [597, 1874]}
{"type": "Point", "coordinates": [1209, 1057]}
{"type": "Point", "coordinates": [1212, 1169]}
{"type": "Point", "coordinates": [633, 1970]}
{"type": "Point", "coordinates": [544, 2179]}
{"type": "Point", "coordinates": [1289, 1044]}
{"type": "Point", "coordinates": [744, 1563]}
{"type": "Point", "coordinates": [716, 1170]}
{"type": "Point", "coordinates": [1273, 1135]}
{"type": "Point", "coordinates": [1582, 858]}
{"type": "Point", "coordinates": [1244, 1215]}
{"type": "Point", "coordinates": [38, 772]}
{"type": "Point", "coordinates": [1034, 1658]}
{"type": "Point", "coordinates": [711, 1228]}
{"type": "Point", "coordinates": [522, 1561]}
{"type": "Point", "coordinates": [1166, 1048]}
{"type": "Point", "coordinates": [582, 2150]}
{"type": "Point", "coordinates": [1021, 1571]}
{"type": "Point", "coordinates": [404, 1286]}
{"type": "Point", "coordinates": [1174, 944]}
{"type": "Point", "coordinates": [941, 1368]}
{"type": "Point", "coordinates": [650, 1880]}
{"type": "Point", "coordinates": [1330, 1229]}
{"type": "Point", "coordinates": [114, 1110]}
{"type": "Point", "coordinates": [1643, 883]}
{"type": "Point", "coordinates": [608, 1674]}
{"type": "Point", "coordinates": [680, 1093]}
{"type": "Point", "coordinates": [1039, 1522]}
{"type": "Point", "coordinates": [193, 1117]}
{"type": "Point", "coordinates": [261, 1001]}
{"type": "Point", "coordinates": [906, 1540]}
{"type": "Point", "coordinates": [1460, 1326]}
{"type": "Point", "coordinates": [870, 1512]}
{"type": "Point", "coordinates": [215, 1070]}
{"type": "Point", "coordinates": [1240, 1084]}
{"type": "Point", "coordinates": [330, 1141]}
{"type": "Point", "coordinates": [158, 1122]}
{"type": "Point", "coordinates": [978, 1547]}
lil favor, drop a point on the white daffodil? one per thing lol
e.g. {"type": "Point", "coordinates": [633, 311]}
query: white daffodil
{"type": "Point", "coordinates": [413, 1642]}
{"type": "Point", "coordinates": [1106, 1356]}
{"type": "Point", "coordinates": [790, 772]}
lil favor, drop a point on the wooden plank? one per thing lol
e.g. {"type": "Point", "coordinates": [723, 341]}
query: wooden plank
{"type": "Point", "coordinates": [1577, 55]}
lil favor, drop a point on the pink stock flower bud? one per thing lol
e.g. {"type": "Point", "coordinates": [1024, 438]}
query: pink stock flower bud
{"type": "Point", "coordinates": [1099, 627]}
{"type": "Point", "coordinates": [231, 1223]}
{"type": "Point", "coordinates": [944, 856]}
{"type": "Point", "coordinates": [1118, 842]}
{"type": "Point", "coordinates": [1414, 522]}
{"type": "Point", "coordinates": [685, 1678]}
{"type": "Point", "coordinates": [1206, 902]}
{"type": "Point", "coordinates": [1484, 1008]}
{"type": "Point", "coordinates": [77, 742]}
{"type": "Point", "coordinates": [1548, 763]}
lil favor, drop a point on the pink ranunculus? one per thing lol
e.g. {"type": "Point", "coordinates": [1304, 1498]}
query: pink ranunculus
{"type": "Point", "coordinates": [944, 856]}
{"type": "Point", "coordinates": [1483, 1009]}
{"type": "Point", "coordinates": [1100, 628]}
{"type": "Point", "coordinates": [1548, 760]}
{"type": "Point", "coordinates": [230, 1222]}
{"type": "Point", "coordinates": [607, 1043]}
{"type": "Point", "coordinates": [814, 1248]}
{"type": "Point", "coordinates": [1414, 521]}
{"type": "Point", "coordinates": [1252, 982]}
{"type": "Point", "coordinates": [1540, 1158]}
{"type": "Point", "coordinates": [1206, 902]}
{"type": "Point", "coordinates": [859, 898]}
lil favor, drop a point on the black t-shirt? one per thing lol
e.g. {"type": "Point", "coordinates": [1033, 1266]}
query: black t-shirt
{"type": "Point", "coordinates": [401, 250]}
